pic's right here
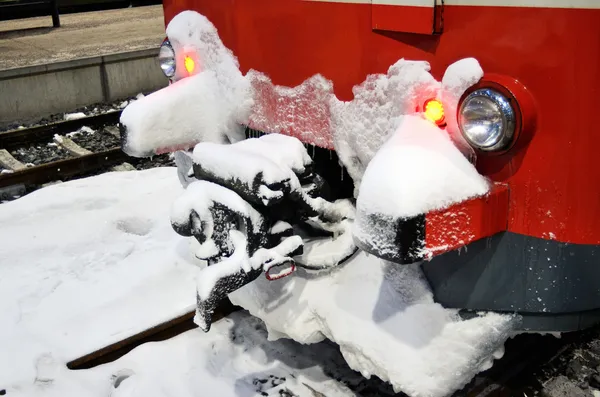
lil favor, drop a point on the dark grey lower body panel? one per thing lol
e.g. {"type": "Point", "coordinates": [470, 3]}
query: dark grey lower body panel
{"type": "Point", "coordinates": [554, 286]}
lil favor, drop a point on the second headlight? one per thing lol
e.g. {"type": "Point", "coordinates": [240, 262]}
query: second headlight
{"type": "Point", "coordinates": [166, 58]}
{"type": "Point", "coordinates": [487, 120]}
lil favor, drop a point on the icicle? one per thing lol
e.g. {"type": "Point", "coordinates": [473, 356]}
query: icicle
{"type": "Point", "coordinates": [342, 177]}
{"type": "Point", "coordinates": [331, 155]}
{"type": "Point", "coordinates": [313, 150]}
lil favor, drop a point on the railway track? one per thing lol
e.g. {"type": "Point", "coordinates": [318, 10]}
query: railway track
{"type": "Point", "coordinates": [59, 151]}
{"type": "Point", "coordinates": [65, 157]}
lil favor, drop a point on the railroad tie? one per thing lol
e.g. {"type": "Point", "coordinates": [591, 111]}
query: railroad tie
{"type": "Point", "coordinates": [9, 162]}
{"type": "Point", "coordinates": [70, 146]}
{"type": "Point", "coordinates": [114, 131]}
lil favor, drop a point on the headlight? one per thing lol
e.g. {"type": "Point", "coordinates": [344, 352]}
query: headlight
{"type": "Point", "coordinates": [166, 58]}
{"type": "Point", "coordinates": [487, 120]}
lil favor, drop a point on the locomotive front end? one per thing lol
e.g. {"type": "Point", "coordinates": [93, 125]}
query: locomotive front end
{"type": "Point", "coordinates": [492, 186]}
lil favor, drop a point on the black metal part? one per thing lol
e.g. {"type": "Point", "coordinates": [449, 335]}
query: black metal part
{"type": "Point", "coordinates": [294, 206]}
{"type": "Point", "coordinates": [399, 240]}
{"type": "Point", "coordinates": [326, 163]}
{"type": "Point", "coordinates": [554, 286]}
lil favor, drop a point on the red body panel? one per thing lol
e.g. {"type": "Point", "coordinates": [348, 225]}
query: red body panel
{"type": "Point", "coordinates": [465, 222]}
{"type": "Point", "coordinates": [554, 182]}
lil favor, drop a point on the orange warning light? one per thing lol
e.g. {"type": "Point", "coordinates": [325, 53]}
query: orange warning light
{"type": "Point", "coordinates": [189, 64]}
{"type": "Point", "coordinates": [434, 111]}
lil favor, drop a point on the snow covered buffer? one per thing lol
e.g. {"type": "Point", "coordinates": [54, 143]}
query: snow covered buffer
{"type": "Point", "coordinates": [481, 177]}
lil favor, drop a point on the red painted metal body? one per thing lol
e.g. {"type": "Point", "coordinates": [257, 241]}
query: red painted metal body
{"type": "Point", "coordinates": [553, 181]}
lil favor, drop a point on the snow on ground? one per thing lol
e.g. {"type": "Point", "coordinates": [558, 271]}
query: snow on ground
{"type": "Point", "coordinates": [384, 319]}
{"type": "Point", "coordinates": [234, 360]}
{"type": "Point", "coordinates": [89, 262]}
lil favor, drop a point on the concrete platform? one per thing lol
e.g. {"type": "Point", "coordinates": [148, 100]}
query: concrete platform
{"type": "Point", "coordinates": [27, 42]}
{"type": "Point", "coordinates": [100, 56]}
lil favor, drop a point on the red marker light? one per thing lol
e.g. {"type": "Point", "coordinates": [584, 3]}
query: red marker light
{"type": "Point", "coordinates": [434, 111]}
{"type": "Point", "coordinates": [189, 64]}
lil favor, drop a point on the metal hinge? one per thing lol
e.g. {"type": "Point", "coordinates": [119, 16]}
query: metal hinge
{"type": "Point", "coordinates": [438, 16]}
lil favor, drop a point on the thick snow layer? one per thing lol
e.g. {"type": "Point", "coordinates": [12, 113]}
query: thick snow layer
{"type": "Point", "coordinates": [393, 186]}
{"type": "Point", "coordinates": [189, 111]}
{"type": "Point", "coordinates": [284, 150]}
{"type": "Point", "coordinates": [208, 106]}
{"type": "Point", "coordinates": [85, 264]}
{"type": "Point", "coordinates": [90, 262]}
{"type": "Point", "coordinates": [233, 161]}
{"type": "Point", "coordinates": [385, 321]}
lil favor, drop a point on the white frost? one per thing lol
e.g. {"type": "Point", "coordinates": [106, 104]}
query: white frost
{"type": "Point", "coordinates": [301, 111]}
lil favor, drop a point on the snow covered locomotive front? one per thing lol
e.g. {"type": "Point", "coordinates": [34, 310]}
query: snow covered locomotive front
{"type": "Point", "coordinates": [488, 179]}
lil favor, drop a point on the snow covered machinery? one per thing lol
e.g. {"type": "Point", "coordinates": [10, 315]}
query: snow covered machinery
{"type": "Point", "coordinates": [307, 130]}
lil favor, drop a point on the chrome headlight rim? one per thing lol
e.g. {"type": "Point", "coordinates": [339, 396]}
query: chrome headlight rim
{"type": "Point", "coordinates": [166, 54]}
{"type": "Point", "coordinates": [508, 111]}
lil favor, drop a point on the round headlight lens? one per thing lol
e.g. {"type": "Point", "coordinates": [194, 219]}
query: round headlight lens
{"type": "Point", "coordinates": [166, 58]}
{"type": "Point", "coordinates": [487, 120]}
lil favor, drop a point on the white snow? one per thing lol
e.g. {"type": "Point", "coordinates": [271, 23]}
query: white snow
{"type": "Point", "coordinates": [84, 130]}
{"type": "Point", "coordinates": [234, 360]}
{"type": "Point", "coordinates": [457, 79]}
{"type": "Point", "coordinates": [95, 260]}
{"type": "Point", "coordinates": [280, 227]}
{"type": "Point", "coordinates": [284, 150]}
{"type": "Point", "coordinates": [74, 116]}
{"type": "Point", "coordinates": [200, 196]}
{"type": "Point", "coordinates": [385, 321]}
{"type": "Point", "coordinates": [206, 107]}
{"type": "Point", "coordinates": [189, 111]}
{"type": "Point", "coordinates": [392, 184]}
{"type": "Point", "coordinates": [90, 262]}
{"type": "Point", "coordinates": [87, 263]}
{"type": "Point", "coordinates": [232, 161]}
{"type": "Point", "coordinates": [362, 125]}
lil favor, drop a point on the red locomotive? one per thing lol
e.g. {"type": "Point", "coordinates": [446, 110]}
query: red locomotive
{"type": "Point", "coordinates": [532, 244]}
